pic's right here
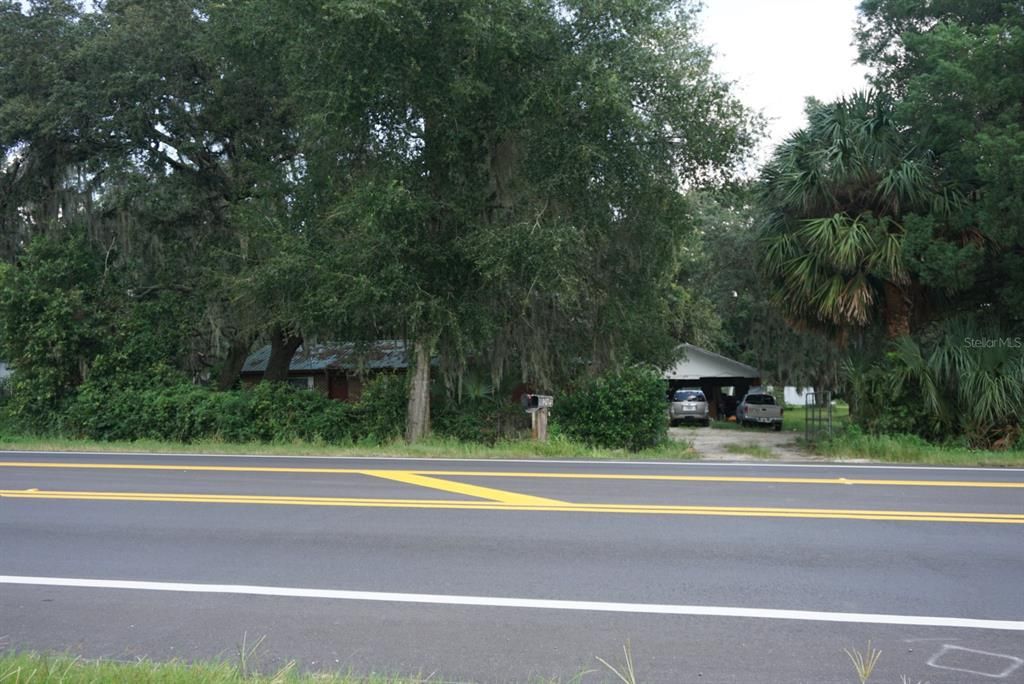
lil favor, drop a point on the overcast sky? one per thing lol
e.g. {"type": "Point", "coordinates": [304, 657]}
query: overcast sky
{"type": "Point", "coordinates": [779, 52]}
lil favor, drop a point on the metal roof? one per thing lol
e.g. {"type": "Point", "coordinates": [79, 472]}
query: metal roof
{"type": "Point", "coordinates": [700, 363]}
{"type": "Point", "coordinates": [379, 355]}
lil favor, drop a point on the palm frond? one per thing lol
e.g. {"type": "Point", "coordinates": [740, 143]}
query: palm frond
{"type": "Point", "coordinates": [904, 187]}
{"type": "Point", "coordinates": [886, 259]}
{"type": "Point", "coordinates": [857, 299]}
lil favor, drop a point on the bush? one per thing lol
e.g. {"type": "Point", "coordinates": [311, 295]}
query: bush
{"type": "Point", "coordinates": [55, 315]}
{"type": "Point", "coordinates": [480, 419]}
{"type": "Point", "coordinates": [879, 405]}
{"type": "Point", "coordinates": [960, 380]}
{"type": "Point", "coordinates": [625, 410]}
{"type": "Point", "coordinates": [269, 412]}
{"type": "Point", "coordinates": [382, 408]}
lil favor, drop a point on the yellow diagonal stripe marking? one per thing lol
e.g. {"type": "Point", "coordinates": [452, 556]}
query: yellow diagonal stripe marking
{"type": "Point", "coordinates": [554, 506]}
{"type": "Point", "coordinates": [513, 474]}
{"type": "Point", "coordinates": [499, 495]}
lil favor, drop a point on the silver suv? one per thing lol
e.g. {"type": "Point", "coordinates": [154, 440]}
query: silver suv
{"type": "Point", "coordinates": [688, 405]}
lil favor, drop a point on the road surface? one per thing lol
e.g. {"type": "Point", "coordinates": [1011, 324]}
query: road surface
{"type": "Point", "coordinates": [499, 571]}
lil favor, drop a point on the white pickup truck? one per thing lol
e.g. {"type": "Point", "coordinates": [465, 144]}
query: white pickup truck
{"type": "Point", "coordinates": [759, 408]}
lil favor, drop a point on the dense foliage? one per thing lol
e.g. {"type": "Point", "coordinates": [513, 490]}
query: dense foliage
{"type": "Point", "coordinates": [625, 409]}
{"type": "Point", "coordinates": [269, 412]}
{"type": "Point", "coordinates": [55, 313]}
{"type": "Point", "coordinates": [528, 192]}
{"type": "Point", "coordinates": [725, 307]}
{"type": "Point", "coordinates": [495, 183]}
{"type": "Point", "coordinates": [955, 72]}
{"type": "Point", "coordinates": [893, 222]}
{"type": "Point", "coordinates": [961, 380]}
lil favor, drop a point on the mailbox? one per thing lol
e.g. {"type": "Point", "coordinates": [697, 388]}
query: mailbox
{"type": "Point", "coordinates": [533, 402]}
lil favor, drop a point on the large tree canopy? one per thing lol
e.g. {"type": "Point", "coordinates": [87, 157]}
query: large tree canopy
{"type": "Point", "coordinates": [840, 196]}
{"type": "Point", "coordinates": [956, 73]}
{"type": "Point", "coordinates": [901, 207]}
{"type": "Point", "coordinates": [499, 184]}
{"type": "Point", "coordinates": [507, 178]}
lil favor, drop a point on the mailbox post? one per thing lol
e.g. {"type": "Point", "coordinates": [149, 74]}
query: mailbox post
{"type": "Point", "coordinates": [537, 406]}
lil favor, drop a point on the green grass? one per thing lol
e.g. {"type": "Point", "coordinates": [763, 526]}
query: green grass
{"type": "Point", "coordinates": [36, 668]}
{"type": "Point", "coordinates": [436, 447]}
{"type": "Point", "coordinates": [32, 668]}
{"type": "Point", "coordinates": [750, 449]}
{"type": "Point", "coordinates": [794, 419]}
{"type": "Point", "coordinates": [911, 449]}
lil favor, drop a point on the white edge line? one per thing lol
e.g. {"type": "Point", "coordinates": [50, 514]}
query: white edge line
{"type": "Point", "coordinates": [502, 602]}
{"type": "Point", "coordinates": [532, 461]}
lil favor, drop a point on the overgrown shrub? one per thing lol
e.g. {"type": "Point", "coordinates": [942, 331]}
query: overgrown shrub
{"type": "Point", "coordinates": [880, 406]}
{"type": "Point", "coordinates": [960, 380]}
{"type": "Point", "coordinates": [625, 409]}
{"type": "Point", "coordinates": [55, 313]}
{"type": "Point", "coordinates": [269, 412]}
{"type": "Point", "coordinates": [480, 419]}
{"type": "Point", "coordinates": [382, 408]}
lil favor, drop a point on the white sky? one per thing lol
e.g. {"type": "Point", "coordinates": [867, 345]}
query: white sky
{"type": "Point", "coordinates": [779, 52]}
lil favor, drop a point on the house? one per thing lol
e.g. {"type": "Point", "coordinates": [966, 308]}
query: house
{"type": "Point", "coordinates": [337, 371]}
{"type": "Point", "coordinates": [724, 381]}
{"type": "Point", "coordinates": [796, 396]}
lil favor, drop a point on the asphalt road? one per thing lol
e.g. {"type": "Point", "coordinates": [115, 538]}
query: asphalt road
{"type": "Point", "coordinates": [517, 571]}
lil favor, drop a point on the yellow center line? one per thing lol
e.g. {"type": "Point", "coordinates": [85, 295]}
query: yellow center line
{"type": "Point", "coordinates": [199, 468]}
{"type": "Point", "coordinates": [513, 474]}
{"type": "Point", "coordinates": [554, 506]}
{"type": "Point", "coordinates": [727, 478]}
{"type": "Point", "coordinates": [498, 495]}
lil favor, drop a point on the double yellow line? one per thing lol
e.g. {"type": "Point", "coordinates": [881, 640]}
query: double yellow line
{"type": "Point", "coordinates": [515, 474]}
{"type": "Point", "coordinates": [552, 506]}
{"type": "Point", "coordinates": [490, 499]}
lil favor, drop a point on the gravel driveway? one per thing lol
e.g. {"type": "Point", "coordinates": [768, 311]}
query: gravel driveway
{"type": "Point", "coordinates": [742, 444]}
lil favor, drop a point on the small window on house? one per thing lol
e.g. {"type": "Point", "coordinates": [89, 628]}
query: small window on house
{"type": "Point", "coordinates": [301, 383]}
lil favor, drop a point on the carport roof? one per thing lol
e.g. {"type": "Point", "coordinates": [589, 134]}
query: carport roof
{"type": "Point", "coordinates": [696, 363]}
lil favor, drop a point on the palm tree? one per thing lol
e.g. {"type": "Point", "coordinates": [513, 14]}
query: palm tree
{"type": "Point", "coordinates": [837, 194]}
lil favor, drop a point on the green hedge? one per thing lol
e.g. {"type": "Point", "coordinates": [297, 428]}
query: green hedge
{"type": "Point", "coordinates": [484, 420]}
{"type": "Point", "coordinates": [380, 413]}
{"type": "Point", "coordinates": [269, 412]}
{"type": "Point", "coordinates": [621, 410]}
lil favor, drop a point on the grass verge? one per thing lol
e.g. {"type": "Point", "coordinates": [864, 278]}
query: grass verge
{"type": "Point", "coordinates": [434, 447]}
{"type": "Point", "coordinates": [912, 449]}
{"type": "Point", "coordinates": [750, 449]}
{"type": "Point", "coordinates": [33, 668]}
{"type": "Point", "coordinates": [37, 668]}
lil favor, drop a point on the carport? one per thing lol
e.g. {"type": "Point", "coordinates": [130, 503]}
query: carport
{"type": "Point", "coordinates": [724, 381]}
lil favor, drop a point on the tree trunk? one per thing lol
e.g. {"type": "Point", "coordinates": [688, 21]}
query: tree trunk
{"type": "Point", "coordinates": [232, 368]}
{"type": "Point", "coordinates": [282, 349]}
{"type": "Point", "coordinates": [897, 311]}
{"type": "Point", "coordinates": [417, 422]}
